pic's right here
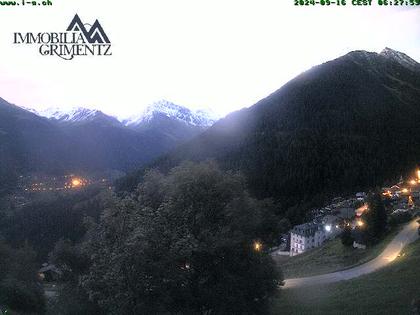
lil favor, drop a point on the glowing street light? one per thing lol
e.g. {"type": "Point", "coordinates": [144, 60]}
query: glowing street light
{"type": "Point", "coordinates": [387, 193]}
{"type": "Point", "coordinates": [328, 228]}
{"type": "Point", "coordinates": [413, 182]}
{"type": "Point", "coordinates": [360, 223]}
{"type": "Point", "coordinates": [76, 182]}
{"type": "Point", "coordinates": [257, 246]}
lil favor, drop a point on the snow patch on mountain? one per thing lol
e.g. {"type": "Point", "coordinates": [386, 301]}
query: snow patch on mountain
{"type": "Point", "coordinates": [199, 118]}
{"type": "Point", "coordinates": [73, 115]}
{"type": "Point", "coordinates": [402, 58]}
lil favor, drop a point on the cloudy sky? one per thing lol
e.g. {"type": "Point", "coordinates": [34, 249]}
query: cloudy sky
{"type": "Point", "coordinates": [216, 54]}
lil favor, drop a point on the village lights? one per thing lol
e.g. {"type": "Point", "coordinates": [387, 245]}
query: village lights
{"type": "Point", "coordinates": [360, 223]}
{"type": "Point", "coordinates": [387, 193]}
{"type": "Point", "coordinates": [413, 182]}
{"type": "Point", "coordinates": [410, 202]}
{"type": "Point", "coordinates": [328, 228]}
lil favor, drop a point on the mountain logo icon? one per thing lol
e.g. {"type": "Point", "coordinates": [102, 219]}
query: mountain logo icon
{"type": "Point", "coordinates": [94, 34]}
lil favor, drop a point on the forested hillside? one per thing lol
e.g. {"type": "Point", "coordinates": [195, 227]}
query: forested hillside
{"type": "Point", "coordinates": [345, 125]}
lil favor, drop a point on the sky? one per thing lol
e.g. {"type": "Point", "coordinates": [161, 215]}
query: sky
{"type": "Point", "coordinates": [218, 54]}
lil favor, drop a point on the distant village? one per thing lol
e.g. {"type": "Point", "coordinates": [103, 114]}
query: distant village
{"type": "Point", "coordinates": [328, 222]}
{"type": "Point", "coordinates": [42, 184]}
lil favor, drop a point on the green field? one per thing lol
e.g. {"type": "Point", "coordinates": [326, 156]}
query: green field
{"type": "Point", "coordinates": [388, 291]}
{"type": "Point", "coordinates": [333, 256]}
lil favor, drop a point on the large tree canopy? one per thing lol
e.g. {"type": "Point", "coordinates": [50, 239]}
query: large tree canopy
{"type": "Point", "coordinates": [19, 286]}
{"type": "Point", "coordinates": [375, 219]}
{"type": "Point", "coordinates": [193, 241]}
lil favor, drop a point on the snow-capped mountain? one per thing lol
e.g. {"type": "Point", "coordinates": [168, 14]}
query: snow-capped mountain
{"type": "Point", "coordinates": [156, 111]}
{"type": "Point", "coordinates": [88, 140]}
{"type": "Point", "coordinates": [401, 58]}
{"type": "Point", "coordinates": [73, 115]}
{"type": "Point", "coordinates": [76, 114]}
{"type": "Point", "coordinates": [163, 108]}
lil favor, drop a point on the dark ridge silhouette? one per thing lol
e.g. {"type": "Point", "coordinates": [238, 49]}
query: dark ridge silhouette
{"type": "Point", "coordinates": [346, 125]}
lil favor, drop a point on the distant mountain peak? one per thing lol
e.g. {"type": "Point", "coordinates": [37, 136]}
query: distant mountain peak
{"type": "Point", "coordinates": [164, 108]}
{"type": "Point", "coordinates": [401, 58]}
{"type": "Point", "coordinates": [73, 115]}
{"type": "Point", "coordinates": [371, 58]}
{"type": "Point", "coordinates": [387, 54]}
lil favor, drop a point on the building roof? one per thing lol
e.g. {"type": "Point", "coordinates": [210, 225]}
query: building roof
{"type": "Point", "coordinates": [330, 219]}
{"type": "Point", "coordinates": [346, 212]}
{"type": "Point", "coordinates": [306, 229]}
{"type": "Point", "coordinates": [51, 268]}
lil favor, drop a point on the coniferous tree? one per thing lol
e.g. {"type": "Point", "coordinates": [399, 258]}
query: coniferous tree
{"type": "Point", "coordinates": [346, 237]}
{"type": "Point", "coordinates": [375, 219]}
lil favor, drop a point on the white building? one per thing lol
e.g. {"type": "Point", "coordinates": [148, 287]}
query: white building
{"type": "Point", "coordinates": [306, 236]}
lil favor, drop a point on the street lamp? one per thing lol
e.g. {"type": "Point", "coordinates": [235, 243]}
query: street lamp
{"type": "Point", "coordinates": [257, 246]}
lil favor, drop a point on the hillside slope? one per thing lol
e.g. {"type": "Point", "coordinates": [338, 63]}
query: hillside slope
{"type": "Point", "coordinates": [345, 125]}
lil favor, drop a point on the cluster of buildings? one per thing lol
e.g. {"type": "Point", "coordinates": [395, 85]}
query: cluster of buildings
{"type": "Point", "coordinates": [328, 222]}
{"type": "Point", "coordinates": [38, 184]}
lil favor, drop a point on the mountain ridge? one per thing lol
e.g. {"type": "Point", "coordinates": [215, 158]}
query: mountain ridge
{"type": "Point", "coordinates": [197, 118]}
{"type": "Point", "coordinates": [79, 140]}
{"type": "Point", "coordinates": [332, 129]}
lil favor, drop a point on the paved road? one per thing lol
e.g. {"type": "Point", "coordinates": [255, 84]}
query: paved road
{"type": "Point", "coordinates": [408, 235]}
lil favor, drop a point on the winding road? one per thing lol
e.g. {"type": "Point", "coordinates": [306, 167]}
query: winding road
{"type": "Point", "coordinates": [406, 236]}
